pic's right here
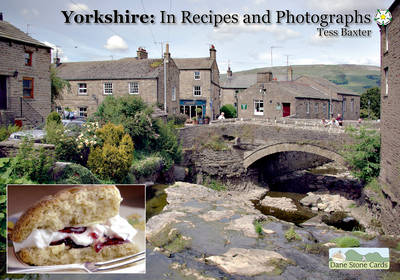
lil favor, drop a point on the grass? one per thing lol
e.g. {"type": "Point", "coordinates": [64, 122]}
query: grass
{"type": "Point", "coordinates": [258, 228]}
{"type": "Point", "coordinates": [216, 143]}
{"type": "Point", "coordinates": [346, 242]}
{"type": "Point", "coordinates": [292, 235]}
{"type": "Point", "coordinates": [353, 205]}
{"type": "Point", "coordinates": [178, 244]}
{"type": "Point", "coordinates": [363, 235]}
{"type": "Point", "coordinates": [398, 246]}
{"type": "Point", "coordinates": [215, 185]}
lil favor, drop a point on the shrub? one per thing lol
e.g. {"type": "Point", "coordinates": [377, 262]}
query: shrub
{"type": "Point", "coordinates": [6, 131]}
{"type": "Point", "coordinates": [373, 109]}
{"type": "Point", "coordinates": [291, 235]}
{"type": "Point", "coordinates": [167, 144]}
{"type": "Point", "coordinates": [346, 242]}
{"type": "Point", "coordinates": [77, 174]}
{"type": "Point", "coordinates": [258, 228]}
{"type": "Point", "coordinates": [146, 167]}
{"type": "Point", "coordinates": [178, 119]}
{"type": "Point", "coordinates": [363, 156]}
{"type": "Point", "coordinates": [54, 131]}
{"type": "Point", "coordinates": [215, 185]}
{"type": "Point", "coordinates": [229, 111]}
{"type": "Point", "coordinates": [111, 159]}
{"type": "Point", "coordinates": [53, 117]}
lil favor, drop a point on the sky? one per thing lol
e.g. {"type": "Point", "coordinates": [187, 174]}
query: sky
{"type": "Point", "coordinates": [239, 45]}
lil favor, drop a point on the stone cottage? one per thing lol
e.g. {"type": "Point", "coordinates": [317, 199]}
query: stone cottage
{"type": "Point", "coordinates": [92, 81]}
{"type": "Point", "coordinates": [271, 99]}
{"type": "Point", "coordinates": [25, 87]}
{"type": "Point", "coordinates": [199, 85]}
{"type": "Point", "coordinates": [390, 118]}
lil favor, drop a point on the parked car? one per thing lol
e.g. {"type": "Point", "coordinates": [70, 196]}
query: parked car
{"type": "Point", "coordinates": [39, 133]}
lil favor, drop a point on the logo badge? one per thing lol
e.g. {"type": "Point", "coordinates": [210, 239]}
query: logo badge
{"type": "Point", "coordinates": [359, 258]}
{"type": "Point", "coordinates": [383, 17]}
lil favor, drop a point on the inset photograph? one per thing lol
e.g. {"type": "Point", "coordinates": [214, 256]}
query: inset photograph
{"type": "Point", "coordinates": [76, 229]}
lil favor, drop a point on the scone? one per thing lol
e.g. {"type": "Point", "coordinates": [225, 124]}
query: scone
{"type": "Point", "coordinates": [76, 225]}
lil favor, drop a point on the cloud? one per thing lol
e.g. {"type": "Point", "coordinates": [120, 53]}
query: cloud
{"type": "Point", "coordinates": [344, 5]}
{"type": "Point", "coordinates": [29, 12]}
{"type": "Point", "coordinates": [116, 43]}
{"type": "Point", "coordinates": [280, 33]}
{"type": "Point", "coordinates": [322, 40]}
{"type": "Point", "coordinates": [78, 7]}
{"type": "Point", "coordinates": [259, 2]}
{"type": "Point", "coordinates": [56, 51]}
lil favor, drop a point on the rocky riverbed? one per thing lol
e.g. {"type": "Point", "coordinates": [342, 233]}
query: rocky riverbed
{"type": "Point", "coordinates": [207, 234]}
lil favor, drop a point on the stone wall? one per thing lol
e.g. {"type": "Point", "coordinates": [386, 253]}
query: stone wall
{"type": "Point", "coordinates": [12, 56]}
{"type": "Point", "coordinates": [10, 148]}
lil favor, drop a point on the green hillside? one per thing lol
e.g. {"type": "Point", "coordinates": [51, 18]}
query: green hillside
{"type": "Point", "coordinates": [370, 257]}
{"type": "Point", "coordinates": [357, 78]}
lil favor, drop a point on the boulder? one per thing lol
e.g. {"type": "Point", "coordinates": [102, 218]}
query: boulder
{"type": "Point", "coordinates": [311, 200]}
{"type": "Point", "coordinates": [244, 224]}
{"type": "Point", "coordinates": [250, 262]}
{"type": "Point", "coordinates": [212, 215]}
{"type": "Point", "coordinates": [281, 203]}
{"type": "Point", "coordinates": [159, 229]}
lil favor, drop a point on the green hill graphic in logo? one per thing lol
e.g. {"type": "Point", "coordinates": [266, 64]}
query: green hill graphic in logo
{"type": "Point", "coordinates": [359, 258]}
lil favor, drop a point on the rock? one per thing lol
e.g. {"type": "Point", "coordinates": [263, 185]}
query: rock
{"type": "Point", "coordinates": [212, 215]}
{"type": "Point", "coordinates": [179, 173]}
{"type": "Point", "coordinates": [314, 208]}
{"type": "Point", "coordinates": [250, 262]}
{"type": "Point", "coordinates": [326, 202]}
{"type": "Point", "coordinates": [310, 200]}
{"type": "Point", "coordinates": [322, 206]}
{"type": "Point", "coordinates": [268, 231]}
{"type": "Point", "coordinates": [244, 224]}
{"type": "Point", "coordinates": [190, 272]}
{"type": "Point", "coordinates": [330, 244]}
{"type": "Point", "coordinates": [159, 228]}
{"type": "Point", "coordinates": [181, 191]}
{"type": "Point", "coordinates": [282, 203]}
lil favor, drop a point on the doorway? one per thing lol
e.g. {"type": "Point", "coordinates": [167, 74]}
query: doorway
{"type": "Point", "coordinates": [3, 92]}
{"type": "Point", "coordinates": [286, 109]}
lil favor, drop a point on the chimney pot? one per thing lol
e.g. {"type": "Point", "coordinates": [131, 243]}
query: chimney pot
{"type": "Point", "coordinates": [213, 53]}
{"type": "Point", "coordinates": [290, 73]}
{"type": "Point", "coordinates": [1, 16]}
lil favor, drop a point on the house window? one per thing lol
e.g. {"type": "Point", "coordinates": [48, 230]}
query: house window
{"type": "Point", "coordinates": [344, 105]}
{"type": "Point", "coordinates": [83, 112]}
{"type": "Point", "coordinates": [308, 107]}
{"type": "Point", "coordinates": [173, 94]}
{"type": "Point", "coordinates": [258, 107]}
{"type": "Point", "coordinates": [197, 75]}
{"type": "Point", "coordinates": [108, 88]}
{"type": "Point", "coordinates": [315, 107]}
{"type": "Point", "coordinates": [28, 58]}
{"type": "Point", "coordinates": [133, 88]}
{"type": "Point", "coordinates": [82, 88]}
{"type": "Point", "coordinates": [352, 105]}
{"type": "Point", "coordinates": [324, 108]}
{"type": "Point", "coordinates": [27, 84]}
{"type": "Point", "coordinates": [386, 39]}
{"type": "Point", "coordinates": [197, 91]}
{"type": "Point", "coordinates": [386, 72]}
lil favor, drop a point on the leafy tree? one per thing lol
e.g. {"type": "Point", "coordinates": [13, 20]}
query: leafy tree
{"type": "Point", "coordinates": [57, 84]}
{"type": "Point", "coordinates": [363, 156]}
{"type": "Point", "coordinates": [229, 111]}
{"type": "Point", "coordinates": [373, 109]}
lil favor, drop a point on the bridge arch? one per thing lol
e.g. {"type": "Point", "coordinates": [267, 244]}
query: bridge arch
{"type": "Point", "coordinates": [267, 150]}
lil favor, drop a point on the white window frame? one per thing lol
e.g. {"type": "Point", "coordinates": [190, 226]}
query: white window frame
{"type": "Point", "coordinates": [386, 73]}
{"type": "Point", "coordinates": [196, 89]}
{"type": "Point", "coordinates": [84, 111]}
{"type": "Point", "coordinates": [196, 75]}
{"type": "Point", "coordinates": [260, 111]}
{"type": "Point", "coordinates": [308, 107]}
{"type": "Point", "coordinates": [82, 90]}
{"type": "Point", "coordinates": [133, 87]}
{"type": "Point", "coordinates": [107, 90]}
{"type": "Point", "coordinates": [173, 94]}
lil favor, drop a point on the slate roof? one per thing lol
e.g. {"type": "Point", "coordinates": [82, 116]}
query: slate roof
{"type": "Point", "coordinates": [194, 63]}
{"type": "Point", "coordinates": [126, 68]}
{"type": "Point", "coordinates": [10, 32]}
{"type": "Point", "coordinates": [238, 81]}
{"type": "Point", "coordinates": [328, 84]}
{"type": "Point", "coordinates": [300, 90]}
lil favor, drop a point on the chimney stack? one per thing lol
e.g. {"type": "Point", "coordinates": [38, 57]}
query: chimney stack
{"type": "Point", "coordinates": [167, 55]}
{"type": "Point", "coordinates": [213, 53]}
{"type": "Point", "coordinates": [264, 77]}
{"type": "Point", "coordinates": [290, 73]}
{"type": "Point", "coordinates": [229, 72]}
{"type": "Point", "coordinates": [1, 16]}
{"type": "Point", "coordinates": [141, 53]}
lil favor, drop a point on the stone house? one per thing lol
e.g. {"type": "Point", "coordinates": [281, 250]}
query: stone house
{"type": "Point", "coordinates": [92, 81]}
{"type": "Point", "coordinates": [199, 85]}
{"type": "Point", "coordinates": [25, 87]}
{"type": "Point", "coordinates": [233, 85]}
{"type": "Point", "coordinates": [272, 99]}
{"type": "Point", "coordinates": [390, 117]}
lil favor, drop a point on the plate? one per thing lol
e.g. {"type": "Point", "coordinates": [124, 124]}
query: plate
{"type": "Point", "coordinates": [139, 240]}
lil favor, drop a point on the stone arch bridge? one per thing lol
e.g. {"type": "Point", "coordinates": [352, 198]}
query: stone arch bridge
{"type": "Point", "coordinates": [230, 150]}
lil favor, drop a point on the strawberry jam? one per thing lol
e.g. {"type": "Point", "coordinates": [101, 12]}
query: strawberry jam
{"type": "Point", "coordinates": [108, 242]}
{"type": "Point", "coordinates": [76, 230]}
{"type": "Point", "coordinates": [68, 242]}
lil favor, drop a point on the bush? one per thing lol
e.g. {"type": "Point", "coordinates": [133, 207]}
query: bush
{"type": "Point", "coordinates": [346, 242]}
{"type": "Point", "coordinates": [77, 174]}
{"type": "Point", "coordinates": [146, 167]}
{"type": "Point", "coordinates": [111, 159]}
{"type": "Point", "coordinates": [373, 109]}
{"type": "Point", "coordinates": [229, 111]}
{"type": "Point", "coordinates": [215, 185]}
{"type": "Point", "coordinates": [167, 144]}
{"type": "Point", "coordinates": [54, 131]}
{"type": "Point", "coordinates": [53, 117]}
{"type": "Point", "coordinates": [179, 119]}
{"type": "Point", "coordinates": [6, 131]}
{"type": "Point", "coordinates": [291, 235]}
{"type": "Point", "coordinates": [363, 157]}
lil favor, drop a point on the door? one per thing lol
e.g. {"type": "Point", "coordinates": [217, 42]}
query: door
{"type": "Point", "coordinates": [3, 92]}
{"type": "Point", "coordinates": [286, 109]}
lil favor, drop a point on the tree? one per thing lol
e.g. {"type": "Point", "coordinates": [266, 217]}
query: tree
{"type": "Point", "coordinates": [229, 111]}
{"type": "Point", "coordinates": [57, 84]}
{"type": "Point", "coordinates": [370, 104]}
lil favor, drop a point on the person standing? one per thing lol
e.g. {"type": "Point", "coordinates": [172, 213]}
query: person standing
{"type": "Point", "coordinates": [339, 119]}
